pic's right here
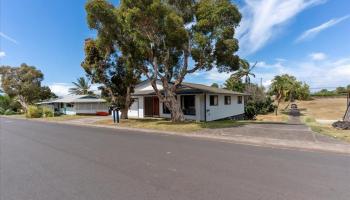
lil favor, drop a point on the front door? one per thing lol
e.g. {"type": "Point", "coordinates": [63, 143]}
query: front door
{"type": "Point", "coordinates": [155, 106]}
{"type": "Point", "coordinates": [151, 106]}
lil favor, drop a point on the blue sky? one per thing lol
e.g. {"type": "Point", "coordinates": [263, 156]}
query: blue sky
{"type": "Point", "coordinates": [305, 38]}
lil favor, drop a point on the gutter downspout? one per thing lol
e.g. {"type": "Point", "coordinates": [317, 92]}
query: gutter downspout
{"type": "Point", "coordinates": [205, 107]}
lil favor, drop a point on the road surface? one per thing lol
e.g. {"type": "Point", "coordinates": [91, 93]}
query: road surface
{"type": "Point", "coordinates": [46, 161]}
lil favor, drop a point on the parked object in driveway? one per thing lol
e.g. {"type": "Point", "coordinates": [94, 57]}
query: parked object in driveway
{"type": "Point", "coordinates": [294, 106]}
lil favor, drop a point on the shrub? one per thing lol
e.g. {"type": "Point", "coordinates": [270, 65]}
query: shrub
{"type": "Point", "coordinates": [47, 112]}
{"type": "Point", "coordinates": [2, 111]}
{"type": "Point", "coordinates": [250, 111]}
{"type": "Point", "coordinates": [9, 112]}
{"type": "Point", "coordinates": [256, 107]}
{"type": "Point", "coordinates": [34, 112]}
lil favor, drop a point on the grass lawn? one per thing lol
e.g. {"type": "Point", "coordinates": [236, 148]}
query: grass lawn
{"type": "Point", "coordinates": [326, 129]}
{"type": "Point", "coordinates": [63, 117]}
{"type": "Point", "coordinates": [324, 108]}
{"type": "Point", "coordinates": [167, 125]}
{"type": "Point", "coordinates": [272, 117]}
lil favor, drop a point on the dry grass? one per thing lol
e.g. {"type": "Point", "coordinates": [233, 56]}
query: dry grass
{"type": "Point", "coordinates": [324, 108]}
{"type": "Point", "coordinates": [272, 117]}
{"type": "Point", "coordinates": [64, 117]}
{"type": "Point", "coordinates": [167, 125]}
{"type": "Point", "coordinates": [326, 129]}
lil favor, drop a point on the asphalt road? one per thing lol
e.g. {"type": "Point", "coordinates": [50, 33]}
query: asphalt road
{"type": "Point", "coordinates": [45, 161]}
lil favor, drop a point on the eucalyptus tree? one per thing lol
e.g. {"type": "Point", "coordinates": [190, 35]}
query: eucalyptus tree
{"type": "Point", "coordinates": [165, 36]}
{"type": "Point", "coordinates": [23, 84]}
{"type": "Point", "coordinates": [113, 71]}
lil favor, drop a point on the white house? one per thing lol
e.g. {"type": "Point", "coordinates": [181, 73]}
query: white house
{"type": "Point", "coordinates": [77, 104]}
{"type": "Point", "coordinates": [198, 102]}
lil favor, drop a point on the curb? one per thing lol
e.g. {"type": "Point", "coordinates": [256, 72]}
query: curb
{"type": "Point", "coordinates": [245, 140]}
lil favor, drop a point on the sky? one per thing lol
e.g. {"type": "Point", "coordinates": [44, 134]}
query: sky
{"type": "Point", "coordinates": [305, 38]}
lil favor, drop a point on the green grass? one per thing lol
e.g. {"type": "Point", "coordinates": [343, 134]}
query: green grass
{"type": "Point", "coordinates": [326, 129]}
{"type": "Point", "coordinates": [64, 117]}
{"type": "Point", "coordinates": [167, 125]}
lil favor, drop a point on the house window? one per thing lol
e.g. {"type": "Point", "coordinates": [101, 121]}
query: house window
{"type": "Point", "coordinates": [214, 100]}
{"type": "Point", "coordinates": [240, 100]}
{"type": "Point", "coordinates": [188, 104]}
{"type": "Point", "coordinates": [69, 105]}
{"type": "Point", "coordinates": [227, 100]}
{"type": "Point", "coordinates": [165, 109]}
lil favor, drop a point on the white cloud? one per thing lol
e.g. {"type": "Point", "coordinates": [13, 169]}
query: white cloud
{"type": "Point", "coordinates": [316, 73]}
{"type": "Point", "coordinates": [262, 20]}
{"type": "Point", "coordinates": [60, 89]}
{"type": "Point", "coordinates": [311, 33]}
{"type": "Point", "coordinates": [3, 35]}
{"type": "Point", "coordinates": [2, 54]}
{"type": "Point", "coordinates": [318, 56]}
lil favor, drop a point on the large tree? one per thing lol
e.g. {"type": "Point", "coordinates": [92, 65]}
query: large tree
{"type": "Point", "coordinates": [287, 88]}
{"type": "Point", "coordinates": [166, 36]}
{"type": "Point", "coordinates": [24, 84]}
{"type": "Point", "coordinates": [115, 72]}
{"type": "Point", "coordinates": [81, 87]}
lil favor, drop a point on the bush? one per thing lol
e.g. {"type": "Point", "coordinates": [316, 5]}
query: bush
{"type": "Point", "coordinates": [254, 108]}
{"type": "Point", "coordinates": [34, 112]}
{"type": "Point", "coordinates": [9, 112]}
{"type": "Point", "coordinates": [47, 112]}
{"type": "Point", "coordinates": [250, 111]}
{"type": "Point", "coordinates": [2, 111]}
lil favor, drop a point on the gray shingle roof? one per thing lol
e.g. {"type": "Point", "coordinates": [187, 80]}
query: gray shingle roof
{"type": "Point", "coordinates": [75, 99]}
{"type": "Point", "coordinates": [194, 88]}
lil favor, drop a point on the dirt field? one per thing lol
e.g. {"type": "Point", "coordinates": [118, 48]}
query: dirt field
{"type": "Point", "coordinates": [324, 108]}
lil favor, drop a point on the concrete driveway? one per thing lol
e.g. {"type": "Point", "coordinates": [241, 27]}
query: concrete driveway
{"type": "Point", "coordinates": [292, 134]}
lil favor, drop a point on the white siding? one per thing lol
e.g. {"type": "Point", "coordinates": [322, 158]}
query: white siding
{"type": "Point", "coordinates": [198, 105]}
{"type": "Point", "coordinates": [221, 110]}
{"type": "Point", "coordinates": [90, 108]}
{"type": "Point", "coordinates": [134, 109]}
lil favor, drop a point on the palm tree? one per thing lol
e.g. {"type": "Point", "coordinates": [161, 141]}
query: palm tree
{"type": "Point", "coordinates": [244, 71]}
{"type": "Point", "coordinates": [82, 87]}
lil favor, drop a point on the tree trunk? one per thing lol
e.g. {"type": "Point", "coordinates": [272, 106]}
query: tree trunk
{"type": "Point", "coordinates": [278, 104]}
{"type": "Point", "coordinates": [175, 109]}
{"type": "Point", "coordinates": [124, 111]}
{"type": "Point", "coordinates": [23, 103]}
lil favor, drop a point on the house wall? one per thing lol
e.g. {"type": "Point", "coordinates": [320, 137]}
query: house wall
{"type": "Point", "coordinates": [198, 106]}
{"type": "Point", "coordinates": [88, 108]}
{"type": "Point", "coordinates": [213, 112]}
{"type": "Point", "coordinates": [136, 109]}
{"type": "Point", "coordinates": [221, 110]}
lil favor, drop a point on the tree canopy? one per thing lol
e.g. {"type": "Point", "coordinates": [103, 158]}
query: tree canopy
{"type": "Point", "coordinates": [287, 88]}
{"type": "Point", "coordinates": [81, 87]}
{"type": "Point", "coordinates": [162, 37]}
{"type": "Point", "coordinates": [24, 84]}
{"type": "Point", "coordinates": [113, 71]}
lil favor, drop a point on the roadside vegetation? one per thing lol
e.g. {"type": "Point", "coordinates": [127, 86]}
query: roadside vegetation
{"type": "Point", "coordinates": [319, 113]}
{"type": "Point", "coordinates": [168, 125]}
{"type": "Point", "coordinates": [326, 129]}
{"type": "Point", "coordinates": [339, 91]}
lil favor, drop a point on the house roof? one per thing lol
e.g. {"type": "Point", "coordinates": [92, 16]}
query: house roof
{"type": "Point", "coordinates": [189, 88]}
{"type": "Point", "coordinates": [75, 99]}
